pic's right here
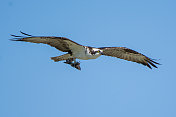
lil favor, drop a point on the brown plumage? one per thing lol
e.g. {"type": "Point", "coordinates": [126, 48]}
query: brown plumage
{"type": "Point", "coordinates": [77, 51]}
{"type": "Point", "coordinates": [60, 43]}
{"type": "Point", "coordinates": [129, 55]}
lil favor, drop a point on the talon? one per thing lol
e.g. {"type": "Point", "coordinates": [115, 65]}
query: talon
{"type": "Point", "coordinates": [73, 64]}
{"type": "Point", "coordinates": [77, 66]}
{"type": "Point", "coordinates": [77, 63]}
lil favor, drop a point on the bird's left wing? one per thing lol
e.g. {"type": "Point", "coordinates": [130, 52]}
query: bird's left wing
{"type": "Point", "coordinates": [128, 54]}
{"type": "Point", "coordinates": [60, 43]}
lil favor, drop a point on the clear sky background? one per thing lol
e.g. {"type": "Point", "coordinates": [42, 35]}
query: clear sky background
{"type": "Point", "coordinates": [32, 85]}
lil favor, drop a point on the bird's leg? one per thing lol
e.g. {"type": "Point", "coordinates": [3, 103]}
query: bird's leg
{"type": "Point", "coordinates": [73, 64]}
{"type": "Point", "coordinates": [74, 59]}
{"type": "Point", "coordinates": [76, 64]}
{"type": "Point", "coordinates": [69, 61]}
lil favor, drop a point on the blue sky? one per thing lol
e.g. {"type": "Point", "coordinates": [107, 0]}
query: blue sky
{"type": "Point", "coordinates": [32, 85]}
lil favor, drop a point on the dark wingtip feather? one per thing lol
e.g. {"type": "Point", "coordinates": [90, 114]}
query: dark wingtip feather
{"type": "Point", "coordinates": [15, 36]}
{"type": "Point", "coordinates": [15, 39]}
{"type": "Point", "coordinates": [19, 38]}
{"type": "Point", "coordinates": [25, 34]}
{"type": "Point", "coordinates": [152, 62]}
{"type": "Point", "coordinates": [149, 66]}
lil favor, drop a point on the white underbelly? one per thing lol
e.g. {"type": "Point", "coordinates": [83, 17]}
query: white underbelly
{"type": "Point", "coordinates": [83, 56]}
{"type": "Point", "coordinates": [87, 57]}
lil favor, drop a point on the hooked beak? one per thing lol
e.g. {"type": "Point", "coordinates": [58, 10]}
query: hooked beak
{"type": "Point", "coordinates": [101, 52]}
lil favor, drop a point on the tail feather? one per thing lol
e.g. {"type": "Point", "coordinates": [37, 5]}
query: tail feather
{"type": "Point", "coordinates": [61, 58]}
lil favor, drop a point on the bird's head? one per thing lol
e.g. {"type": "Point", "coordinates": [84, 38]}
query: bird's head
{"type": "Point", "coordinates": [96, 51]}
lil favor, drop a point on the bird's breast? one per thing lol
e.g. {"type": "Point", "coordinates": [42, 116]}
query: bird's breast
{"type": "Point", "coordinates": [84, 56]}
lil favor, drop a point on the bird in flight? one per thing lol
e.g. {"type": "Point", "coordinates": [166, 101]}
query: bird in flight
{"type": "Point", "coordinates": [77, 51]}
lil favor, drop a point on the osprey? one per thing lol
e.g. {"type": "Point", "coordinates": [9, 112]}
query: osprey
{"type": "Point", "coordinates": [77, 51]}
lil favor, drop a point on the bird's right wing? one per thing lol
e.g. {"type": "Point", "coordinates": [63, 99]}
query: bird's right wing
{"type": "Point", "coordinates": [60, 43]}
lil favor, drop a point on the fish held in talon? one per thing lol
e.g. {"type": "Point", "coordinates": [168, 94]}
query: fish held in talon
{"type": "Point", "coordinates": [77, 65]}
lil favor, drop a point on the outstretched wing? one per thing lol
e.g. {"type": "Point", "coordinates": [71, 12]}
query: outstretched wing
{"type": "Point", "coordinates": [128, 54]}
{"type": "Point", "coordinates": [60, 43]}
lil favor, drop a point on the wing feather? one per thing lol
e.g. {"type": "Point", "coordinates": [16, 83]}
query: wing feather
{"type": "Point", "coordinates": [129, 55]}
{"type": "Point", "coordinates": [60, 43]}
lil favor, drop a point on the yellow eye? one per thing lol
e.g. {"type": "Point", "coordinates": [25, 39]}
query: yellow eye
{"type": "Point", "coordinates": [98, 51]}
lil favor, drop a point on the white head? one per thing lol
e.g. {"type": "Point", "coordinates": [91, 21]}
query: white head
{"type": "Point", "coordinates": [94, 51]}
